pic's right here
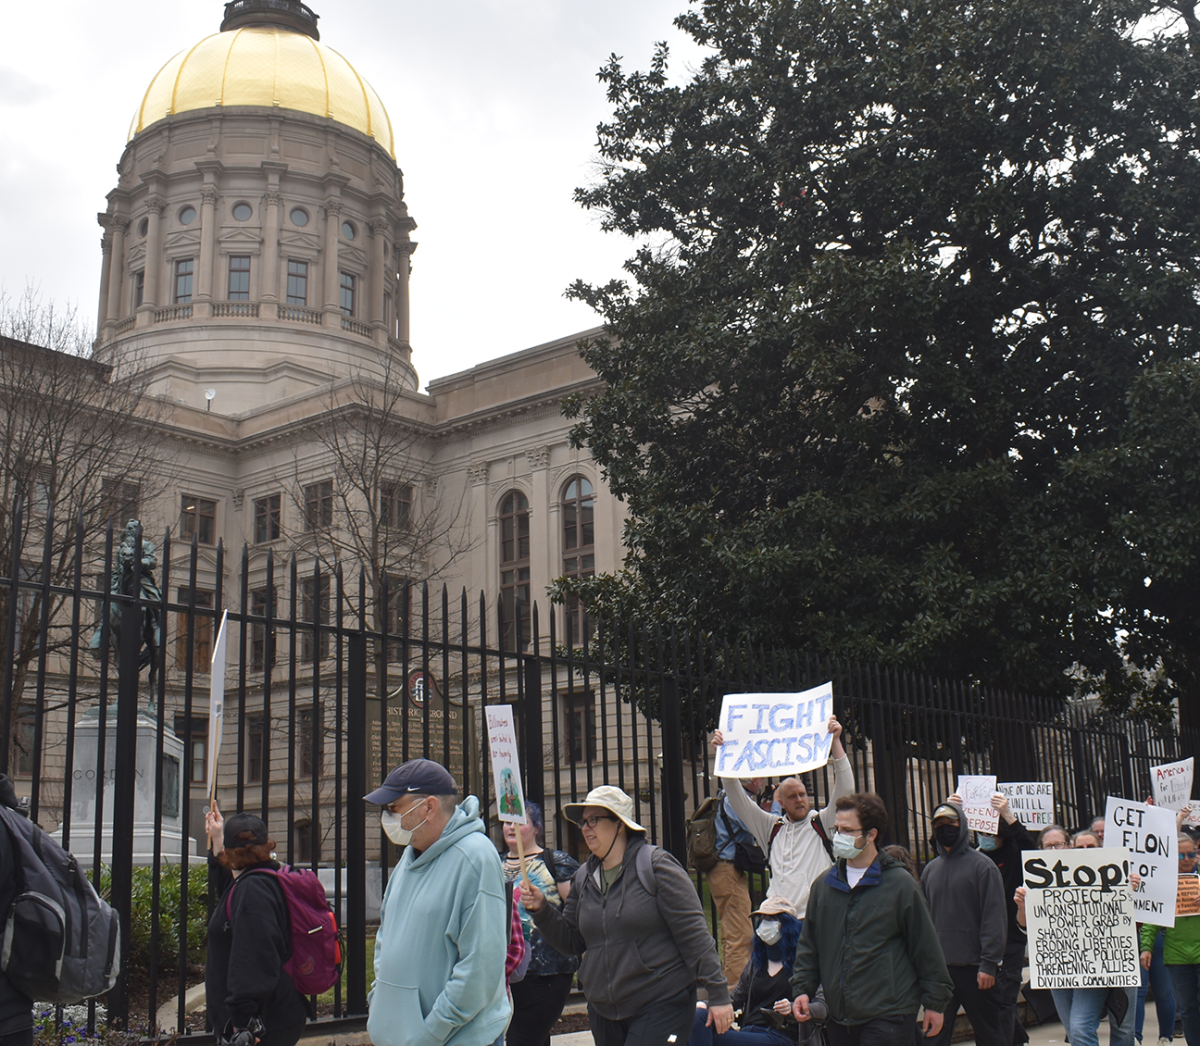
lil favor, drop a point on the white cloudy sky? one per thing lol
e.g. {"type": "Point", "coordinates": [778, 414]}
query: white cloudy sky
{"type": "Point", "coordinates": [494, 104]}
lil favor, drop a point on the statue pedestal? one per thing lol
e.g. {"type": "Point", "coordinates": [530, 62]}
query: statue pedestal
{"type": "Point", "coordinates": [86, 820]}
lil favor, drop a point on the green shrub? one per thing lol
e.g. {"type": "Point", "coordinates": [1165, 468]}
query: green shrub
{"type": "Point", "coordinates": [142, 915]}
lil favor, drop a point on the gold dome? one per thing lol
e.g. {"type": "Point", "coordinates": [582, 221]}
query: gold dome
{"type": "Point", "coordinates": [269, 67]}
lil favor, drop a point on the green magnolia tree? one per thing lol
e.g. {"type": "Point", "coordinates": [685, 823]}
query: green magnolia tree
{"type": "Point", "coordinates": [906, 369]}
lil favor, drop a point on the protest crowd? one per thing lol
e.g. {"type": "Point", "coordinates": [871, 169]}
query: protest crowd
{"type": "Point", "coordinates": [850, 947]}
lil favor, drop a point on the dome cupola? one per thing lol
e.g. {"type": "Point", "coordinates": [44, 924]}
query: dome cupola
{"type": "Point", "coordinates": [287, 14]}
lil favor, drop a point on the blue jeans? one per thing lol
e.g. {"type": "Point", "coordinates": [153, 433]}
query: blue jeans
{"type": "Point", "coordinates": [1082, 1009]}
{"type": "Point", "coordinates": [755, 1035]}
{"type": "Point", "coordinates": [1187, 997]}
{"type": "Point", "coordinates": [1164, 994]}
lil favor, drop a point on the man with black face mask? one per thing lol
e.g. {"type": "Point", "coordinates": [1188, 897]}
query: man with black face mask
{"type": "Point", "coordinates": [966, 898]}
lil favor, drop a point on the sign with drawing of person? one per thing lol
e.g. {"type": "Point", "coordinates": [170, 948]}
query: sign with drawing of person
{"type": "Point", "coordinates": [506, 769]}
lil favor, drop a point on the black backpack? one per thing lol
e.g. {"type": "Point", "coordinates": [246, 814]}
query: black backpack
{"type": "Point", "coordinates": [61, 944]}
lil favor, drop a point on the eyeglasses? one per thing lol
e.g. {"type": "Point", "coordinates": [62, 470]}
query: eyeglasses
{"type": "Point", "coordinates": [1055, 846]}
{"type": "Point", "coordinates": [1188, 857]}
{"type": "Point", "coordinates": [591, 822]}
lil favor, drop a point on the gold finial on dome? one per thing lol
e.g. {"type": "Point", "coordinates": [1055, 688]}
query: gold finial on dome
{"type": "Point", "coordinates": [286, 14]}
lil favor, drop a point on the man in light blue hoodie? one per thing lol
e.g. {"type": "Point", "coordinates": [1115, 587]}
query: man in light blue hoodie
{"type": "Point", "coordinates": [444, 921]}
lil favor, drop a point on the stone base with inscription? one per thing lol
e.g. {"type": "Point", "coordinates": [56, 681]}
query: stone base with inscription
{"type": "Point", "coordinates": [84, 814]}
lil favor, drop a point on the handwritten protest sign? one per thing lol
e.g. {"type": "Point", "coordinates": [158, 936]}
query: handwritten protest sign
{"type": "Point", "coordinates": [1173, 787]}
{"type": "Point", "coordinates": [1081, 921]}
{"type": "Point", "coordinates": [775, 735]}
{"type": "Point", "coordinates": [1148, 833]}
{"type": "Point", "coordinates": [976, 791]}
{"type": "Point", "coordinates": [216, 705]}
{"type": "Point", "coordinates": [1187, 899]}
{"type": "Point", "coordinates": [1031, 801]}
{"type": "Point", "coordinates": [506, 770]}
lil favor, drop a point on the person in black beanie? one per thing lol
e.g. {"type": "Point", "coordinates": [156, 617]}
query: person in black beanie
{"type": "Point", "coordinates": [16, 1009]}
{"type": "Point", "coordinates": [250, 997]}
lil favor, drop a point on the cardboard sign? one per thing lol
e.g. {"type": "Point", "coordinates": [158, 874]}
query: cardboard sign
{"type": "Point", "coordinates": [1172, 784]}
{"type": "Point", "coordinates": [1187, 899]}
{"type": "Point", "coordinates": [1031, 801]}
{"type": "Point", "coordinates": [1080, 918]}
{"type": "Point", "coordinates": [216, 704]}
{"type": "Point", "coordinates": [774, 735]}
{"type": "Point", "coordinates": [976, 791]}
{"type": "Point", "coordinates": [506, 770]}
{"type": "Point", "coordinates": [1148, 833]}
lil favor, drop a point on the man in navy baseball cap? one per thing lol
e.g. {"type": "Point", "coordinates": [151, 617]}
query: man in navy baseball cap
{"type": "Point", "coordinates": [447, 887]}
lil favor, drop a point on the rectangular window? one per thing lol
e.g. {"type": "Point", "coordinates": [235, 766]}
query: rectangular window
{"type": "Point", "coordinates": [308, 757]}
{"type": "Point", "coordinates": [398, 619]}
{"type": "Point", "coordinates": [121, 501]}
{"type": "Point", "coordinates": [24, 742]}
{"type": "Point", "coordinates": [267, 518]}
{"type": "Point", "coordinates": [139, 288]}
{"type": "Point", "coordinates": [201, 629]}
{"type": "Point", "coordinates": [314, 606]}
{"type": "Point", "coordinates": [395, 505]}
{"type": "Point", "coordinates": [347, 294]}
{"type": "Point", "coordinates": [255, 740]}
{"type": "Point", "coordinates": [184, 269]}
{"type": "Point", "coordinates": [262, 642]}
{"type": "Point", "coordinates": [579, 728]}
{"type": "Point", "coordinates": [318, 505]}
{"type": "Point", "coordinates": [198, 516]}
{"type": "Point", "coordinates": [239, 278]}
{"type": "Point", "coordinates": [297, 285]}
{"type": "Point", "coordinates": [198, 750]}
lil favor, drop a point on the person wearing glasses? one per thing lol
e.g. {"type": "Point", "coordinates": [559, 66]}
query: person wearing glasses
{"type": "Point", "coordinates": [1054, 837]}
{"type": "Point", "coordinates": [635, 917]}
{"type": "Point", "coordinates": [1180, 952]}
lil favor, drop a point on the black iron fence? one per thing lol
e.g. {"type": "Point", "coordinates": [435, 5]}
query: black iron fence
{"type": "Point", "coordinates": [107, 726]}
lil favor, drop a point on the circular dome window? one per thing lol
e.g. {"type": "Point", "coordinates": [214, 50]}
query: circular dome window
{"type": "Point", "coordinates": [299, 217]}
{"type": "Point", "coordinates": [143, 225]}
{"type": "Point", "coordinates": [348, 231]}
{"type": "Point", "coordinates": [242, 211]}
{"type": "Point", "coordinates": [187, 215]}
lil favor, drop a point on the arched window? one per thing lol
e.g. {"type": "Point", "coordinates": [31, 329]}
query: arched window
{"type": "Point", "coordinates": [579, 546]}
{"type": "Point", "coordinates": [514, 570]}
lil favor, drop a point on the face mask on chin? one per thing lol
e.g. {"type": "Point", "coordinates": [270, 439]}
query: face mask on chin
{"type": "Point", "coordinates": [393, 826]}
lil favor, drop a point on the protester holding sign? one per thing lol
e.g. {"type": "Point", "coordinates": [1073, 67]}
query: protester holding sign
{"type": "Point", "coordinates": [966, 899]}
{"type": "Point", "coordinates": [1181, 951]}
{"type": "Point", "coordinates": [796, 844]}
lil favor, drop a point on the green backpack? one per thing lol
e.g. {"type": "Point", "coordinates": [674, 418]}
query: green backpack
{"type": "Point", "coordinates": [702, 834]}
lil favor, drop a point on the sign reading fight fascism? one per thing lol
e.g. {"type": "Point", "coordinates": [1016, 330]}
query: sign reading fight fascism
{"type": "Point", "coordinates": [773, 735]}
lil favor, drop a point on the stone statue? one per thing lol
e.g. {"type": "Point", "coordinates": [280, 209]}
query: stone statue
{"type": "Point", "coordinates": [122, 583]}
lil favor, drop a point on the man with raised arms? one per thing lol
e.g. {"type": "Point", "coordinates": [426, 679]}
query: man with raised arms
{"type": "Point", "coordinates": [796, 843]}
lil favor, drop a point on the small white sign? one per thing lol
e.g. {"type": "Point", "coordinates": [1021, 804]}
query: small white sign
{"type": "Point", "coordinates": [1080, 917]}
{"type": "Point", "coordinates": [1031, 801]}
{"type": "Point", "coordinates": [774, 735]}
{"type": "Point", "coordinates": [216, 703]}
{"type": "Point", "coordinates": [506, 769]}
{"type": "Point", "coordinates": [1148, 833]}
{"type": "Point", "coordinates": [976, 791]}
{"type": "Point", "coordinates": [1173, 787]}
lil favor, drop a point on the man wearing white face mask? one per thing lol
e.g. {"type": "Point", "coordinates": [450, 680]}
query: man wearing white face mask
{"type": "Point", "coordinates": [443, 931]}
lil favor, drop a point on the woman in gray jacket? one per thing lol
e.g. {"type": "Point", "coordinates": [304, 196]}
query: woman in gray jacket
{"type": "Point", "coordinates": [634, 916]}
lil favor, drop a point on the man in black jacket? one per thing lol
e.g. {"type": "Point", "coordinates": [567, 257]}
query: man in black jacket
{"type": "Point", "coordinates": [16, 1009]}
{"type": "Point", "coordinates": [966, 899]}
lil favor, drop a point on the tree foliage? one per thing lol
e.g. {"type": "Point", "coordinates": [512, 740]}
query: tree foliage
{"type": "Point", "coordinates": [906, 369]}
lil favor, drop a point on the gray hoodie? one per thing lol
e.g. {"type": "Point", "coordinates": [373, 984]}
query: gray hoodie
{"type": "Point", "coordinates": [637, 949]}
{"type": "Point", "coordinates": [966, 898]}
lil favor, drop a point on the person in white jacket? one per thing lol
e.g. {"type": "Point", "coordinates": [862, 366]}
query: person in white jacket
{"type": "Point", "coordinates": [797, 852]}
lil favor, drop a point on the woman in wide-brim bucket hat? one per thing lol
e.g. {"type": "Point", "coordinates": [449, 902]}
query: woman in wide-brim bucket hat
{"type": "Point", "coordinates": [634, 915]}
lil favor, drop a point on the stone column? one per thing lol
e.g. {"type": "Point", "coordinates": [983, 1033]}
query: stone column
{"type": "Point", "coordinates": [541, 537]}
{"type": "Point", "coordinates": [269, 277]}
{"type": "Point", "coordinates": [154, 258]}
{"type": "Point", "coordinates": [404, 249]}
{"type": "Point", "coordinates": [208, 241]}
{"type": "Point", "coordinates": [105, 273]}
{"type": "Point", "coordinates": [379, 229]}
{"type": "Point", "coordinates": [115, 309]}
{"type": "Point", "coordinates": [333, 231]}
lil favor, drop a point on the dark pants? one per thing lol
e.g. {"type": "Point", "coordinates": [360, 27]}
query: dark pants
{"type": "Point", "coordinates": [991, 1018]}
{"type": "Point", "coordinates": [665, 1023]}
{"type": "Point", "coordinates": [704, 1034]}
{"type": "Point", "coordinates": [882, 1031]}
{"type": "Point", "coordinates": [1008, 985]}
{"type": "Point", "coordinates": [537, 1003]}
{"type": "Point", "coordinates": [1186, 980]}
{"type": "Point", "coordinates": [17, 1038]}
